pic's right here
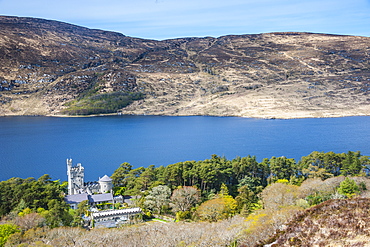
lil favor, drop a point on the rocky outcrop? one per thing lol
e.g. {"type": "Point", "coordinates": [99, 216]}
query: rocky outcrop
{"type": "Point", "coordinates": [49, 67]}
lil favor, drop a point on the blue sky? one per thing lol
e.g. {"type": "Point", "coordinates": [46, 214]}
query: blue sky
{"type": "Point", "coordinates": [164, 19]}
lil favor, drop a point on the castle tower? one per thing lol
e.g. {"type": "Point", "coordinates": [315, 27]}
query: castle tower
{"type": "Point", "coordinates": [70, 184]}
{"type": "Point", "coordinates": [75, 178]}
{"type": "Point", "coordinates": [106, 184]}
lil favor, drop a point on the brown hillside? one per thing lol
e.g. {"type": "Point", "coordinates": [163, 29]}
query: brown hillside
{"type": "Point", "coordinates": [332, 223]}
{"type": "Point", "coordinates": [46, 64]}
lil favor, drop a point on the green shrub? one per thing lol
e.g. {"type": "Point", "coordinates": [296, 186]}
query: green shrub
{"type": "Point", "coordinates": [348, 188]}
{"type": "Point", "coordinates": [5, 231]}
{"type": "Point", "coordinates": [183, 215]}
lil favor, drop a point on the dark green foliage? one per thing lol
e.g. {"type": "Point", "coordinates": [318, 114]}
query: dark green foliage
{"type": "Point", "coordinates": [320, 164]}
{"type": "Point", "coordinates": [120, 175]}
{"type": "Point", "coordinates": [82, 210]}
{"type": "Point", "coordinates": [362, 186]}
{"type": "Point", "coordinates": [247, 171]}
{"type": "Point", "coordinates": [351, 165]}
{"type": "Point", "coordinates": [325, 165]}
{"type": "Point", "coordinates": [58, 215]}
{"type": "Point", "coordinates": [215, 171]}
{"type": "Point", "coordinates": [282, 168]}
{"type": "Point", "coordinates": [317, 198]}
{"type": "Point", "coordinates": [244, 177]}
{"type": "Point", "coordinates": [102, 103]}
{"type": "Point", "coordinates": [17, 194]}
{"type": "Point", "coordinates": [43, 196]}
{"type": "Point", "coordinates": [246, 199]}
{"type": "Point", "coordinates": [209, 174]}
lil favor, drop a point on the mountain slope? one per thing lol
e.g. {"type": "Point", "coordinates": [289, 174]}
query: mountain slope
{"type": "Point", "coordinates": [332, 223]}
{"type": "Point", "coordinates": [54, 68]}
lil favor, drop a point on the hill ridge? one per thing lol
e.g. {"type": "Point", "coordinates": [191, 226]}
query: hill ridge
{"type": "Point", "coordinates": [55, 68]}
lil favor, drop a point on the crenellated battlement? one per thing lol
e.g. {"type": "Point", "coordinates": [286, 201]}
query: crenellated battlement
{"type": "Point", "coordinates": [76, 184]}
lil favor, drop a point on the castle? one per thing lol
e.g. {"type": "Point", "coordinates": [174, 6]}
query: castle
{"type": "Point", "coordinates": [76, 184]}
{"type": "Point", "coordinates": [94, 192]}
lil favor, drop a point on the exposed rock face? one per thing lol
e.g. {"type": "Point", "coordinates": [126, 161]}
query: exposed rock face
{"type": "Point", "coordinates": [46, 64]}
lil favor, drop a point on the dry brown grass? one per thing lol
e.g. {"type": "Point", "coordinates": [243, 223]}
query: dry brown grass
{"type": "Point", "coordinates": [332, 223]}
{"type": "Point", "coordinates": [237, 230]}
{"type": "Point", "coordinates": [221, 233]}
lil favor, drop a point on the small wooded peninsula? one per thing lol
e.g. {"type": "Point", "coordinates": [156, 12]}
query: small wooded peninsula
{"type": "Point", "coordinates": [321, 199]}
{"type": "Point", "coordinates": [55, 68]}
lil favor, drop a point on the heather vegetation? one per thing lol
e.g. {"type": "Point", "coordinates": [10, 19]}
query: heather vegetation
{"type": "Point", "coordinates": [332, 223]}
{"type": "Point", "coordinates": [214, 202]}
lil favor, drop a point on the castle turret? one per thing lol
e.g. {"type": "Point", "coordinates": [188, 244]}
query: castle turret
{"type": "Point", "coordinates": [69, 169]}
{"type": "Point", "coordinates": [75, 178]}
{"type": "Point", "coordinates": [106, 184]}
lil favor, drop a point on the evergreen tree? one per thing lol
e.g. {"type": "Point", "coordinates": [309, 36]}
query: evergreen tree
{"type": "Point", "coordinates": [348, 188]}
{"type": "Point", "coordinates": [119, 176]}
{"type": "Point", "coordinates": [351, 164]}
{"type": "Point", "coordinates": [282, 168]}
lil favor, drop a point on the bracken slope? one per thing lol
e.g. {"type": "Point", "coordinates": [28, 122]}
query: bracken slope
{"type": "Point", "coordinates": [55, 68]}
{"type": "Point", "coordinates": [332, 223]}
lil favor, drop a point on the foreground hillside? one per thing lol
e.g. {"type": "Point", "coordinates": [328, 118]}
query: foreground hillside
{"type": "Point", "coordinates": [332, 223]}
{"type": "Point", "coordinates": [54, 68]}
{"type": "Point", "coordinates": [337, 222]}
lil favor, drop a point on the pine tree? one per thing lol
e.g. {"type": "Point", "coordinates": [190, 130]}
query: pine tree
{"type": "Point", "coordinates": [348, 188]}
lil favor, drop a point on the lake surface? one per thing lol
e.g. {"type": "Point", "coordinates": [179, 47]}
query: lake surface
{"type": "Point", "coordinates": [33, 146]}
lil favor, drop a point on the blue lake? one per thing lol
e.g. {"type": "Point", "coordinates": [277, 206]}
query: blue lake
{"type": "Point", "coordinates": [33, 146]}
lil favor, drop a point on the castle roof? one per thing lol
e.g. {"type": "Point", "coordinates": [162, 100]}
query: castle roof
{"type": "Point", "coordinates": [101, 197]}
{"type": "Point", "coordinates": [77, 198]}
{"type": "Point", "coordinates": [105, 179]}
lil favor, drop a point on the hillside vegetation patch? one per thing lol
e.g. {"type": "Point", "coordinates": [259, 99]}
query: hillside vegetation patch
{"type": "Point", "coordinates": [102, 103]}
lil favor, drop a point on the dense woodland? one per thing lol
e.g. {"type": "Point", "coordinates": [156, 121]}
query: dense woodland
{"type": "Point", "coordinates": [243, 195]}
{"type": "Point", "coordinates": [208, 175]}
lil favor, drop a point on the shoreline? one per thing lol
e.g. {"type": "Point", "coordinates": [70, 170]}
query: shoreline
{"type": "Point", "coordinates": [264, 117]}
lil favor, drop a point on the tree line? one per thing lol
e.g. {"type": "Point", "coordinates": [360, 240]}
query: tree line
{"type": "Point", "coordinates": [208, 175]}
{"type": "Point", "coordinates": [221, 188]}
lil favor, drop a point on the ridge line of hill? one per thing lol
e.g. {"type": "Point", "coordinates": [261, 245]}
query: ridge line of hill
{"type": "Point", "coordinates": [55, 68]}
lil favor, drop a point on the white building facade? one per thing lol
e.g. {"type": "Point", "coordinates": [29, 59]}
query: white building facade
{"type": "Point", "coordinates": [79, 190]}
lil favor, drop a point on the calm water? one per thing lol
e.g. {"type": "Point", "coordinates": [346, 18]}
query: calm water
{"type": "Point", "coordinates": [33, 146]}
